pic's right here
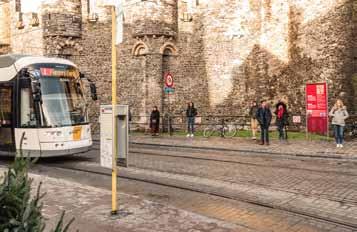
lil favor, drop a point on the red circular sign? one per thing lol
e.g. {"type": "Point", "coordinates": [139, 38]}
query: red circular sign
{"type": "Point", "coordinates": [169, 80]}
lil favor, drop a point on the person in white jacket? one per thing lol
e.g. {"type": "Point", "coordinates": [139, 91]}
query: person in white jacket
{"type": "Point", "coordinates": [339, 114]}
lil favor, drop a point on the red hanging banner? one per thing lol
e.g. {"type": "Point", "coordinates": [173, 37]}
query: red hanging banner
{"type": "Point", "coordinates": [317, 108]}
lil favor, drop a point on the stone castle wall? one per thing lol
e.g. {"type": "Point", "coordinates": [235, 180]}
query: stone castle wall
{"type": "Point", "coordinates": [256, 50]}
{"type": "Point", "coordinates": [222, 54]}
{"type": "Point", "coordinates": [5, 32]}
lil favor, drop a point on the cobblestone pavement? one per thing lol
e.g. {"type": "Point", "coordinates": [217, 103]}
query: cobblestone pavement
{"type": "Point", "coordinates": [91, 206]}
{"type": "Point", "coordinates": [285, 202]}
{"type": "Point", "coordinates": [270, 190]}
{"type": "Point", "coordinates": [323, 179]}
{"type": "Point", "coordinates": [326, 149]}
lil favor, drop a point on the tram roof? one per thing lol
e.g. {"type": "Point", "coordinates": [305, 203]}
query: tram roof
{"type": "Point", "coordinates": [10, 64]}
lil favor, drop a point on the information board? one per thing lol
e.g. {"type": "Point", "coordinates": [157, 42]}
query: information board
{"type": "Point", "coordinates": [317, 108]}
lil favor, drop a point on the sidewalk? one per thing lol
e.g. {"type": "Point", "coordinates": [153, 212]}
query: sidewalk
{"type": "Point", "coordinates": [315, 149]}
{"type": "Point", "coordinates": [91, 208]}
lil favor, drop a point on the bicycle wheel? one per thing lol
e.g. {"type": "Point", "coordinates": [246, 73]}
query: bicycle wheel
{"type": "Point", "coordinates": [207, 132]}
{"type": "Point", "coordinates": [230, 131]}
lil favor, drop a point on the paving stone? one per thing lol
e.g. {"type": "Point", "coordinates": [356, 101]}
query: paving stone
{"type": "Point", "coordinates": [91, 208]}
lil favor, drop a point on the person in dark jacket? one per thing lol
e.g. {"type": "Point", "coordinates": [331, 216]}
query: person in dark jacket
{"type": "Point", "coordinates": [253, 120]}
{"type": "Point", "coordinates": [191, 113]}
{"type": "Point", "coordinates": [155, 121]}
{"type": "Point", "coordinates": [264, 116]}
{"type": "Point", "coordinates": [282, 116]}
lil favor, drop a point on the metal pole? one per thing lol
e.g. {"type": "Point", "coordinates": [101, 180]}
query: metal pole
{"type": "Point", "coordinates": [327, 111]}
{"type": "Point", "coordinates": [169, 114]}
{"type": "Point", "coordinates": [306, 115]}
{"type": "Point", "coordinates": [114, 102]}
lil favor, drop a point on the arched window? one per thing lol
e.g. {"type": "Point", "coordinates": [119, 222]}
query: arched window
{"type": "Point", "coordinates": [168, 49]}
{"type": "Point", "coordinates": [139, 49]}
{"type": "Point", "coordinates": [167, 52]}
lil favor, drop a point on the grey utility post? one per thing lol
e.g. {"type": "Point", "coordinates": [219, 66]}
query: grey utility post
{"type": "Point", "coordinates": [106, 134]}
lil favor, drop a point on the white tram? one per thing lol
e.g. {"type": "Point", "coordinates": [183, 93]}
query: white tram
{"type": "Point", "coordinates": [42, 107]}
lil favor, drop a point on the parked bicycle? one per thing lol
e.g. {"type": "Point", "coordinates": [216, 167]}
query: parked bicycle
{"type": "Point", "coordinates": [352, 129]}
{"type": "Point", "coordinates": [223, 130]}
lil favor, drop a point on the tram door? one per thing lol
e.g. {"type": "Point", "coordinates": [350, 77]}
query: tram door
{"type": "Point", "coordinates": [6, 119]}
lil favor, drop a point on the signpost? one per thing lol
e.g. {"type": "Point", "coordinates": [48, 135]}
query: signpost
{"type": "Point", "coordinates": [169, 88]}
{"type": "Point", "coordinates": [317, 108]}
{"type": "Point", "coordinates": [117, 37]}
{"type": "Point", "coordinates": [169, 83]}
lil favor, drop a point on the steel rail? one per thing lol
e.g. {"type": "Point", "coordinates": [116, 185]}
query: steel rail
{"type": "Point", "coordinates": [347, 225]}
{"type": "Point", "coordinates": [225, 160]}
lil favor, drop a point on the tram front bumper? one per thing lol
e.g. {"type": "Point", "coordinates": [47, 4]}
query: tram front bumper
{"type": "Point", "coordinates": [49, 149]}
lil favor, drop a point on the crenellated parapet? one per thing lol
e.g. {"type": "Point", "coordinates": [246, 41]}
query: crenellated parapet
{"type": "Point", "coordinates": [62, 18]}
{"type": "Point", "coordinates": [5, 22]}
{"type": "Point", "coordinates": [152, 18]}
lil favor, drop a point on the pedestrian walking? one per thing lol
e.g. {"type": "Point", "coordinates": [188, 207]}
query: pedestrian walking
{"type": "Point", "coordinates": [253, 120]}
{"type": "Point", "coordinates": [191, 114]}
{"type": "Point", "coordinates": [339, 114]}
{"type": "Point", "coordinates": [264, 118]}
{"type": "Point", "coordinates": [155, 121]}
{"type": "Point", "coordinates": [282, 121]}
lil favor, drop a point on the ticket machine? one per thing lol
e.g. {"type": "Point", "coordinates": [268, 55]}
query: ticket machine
{"type": "Point", "coordinates": [121, 116]}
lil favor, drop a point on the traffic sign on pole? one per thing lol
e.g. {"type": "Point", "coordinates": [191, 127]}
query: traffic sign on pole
{"type": "Point", "coordinates": [169, 80]}
{"type": "Point", "coordinates": [169, 90]}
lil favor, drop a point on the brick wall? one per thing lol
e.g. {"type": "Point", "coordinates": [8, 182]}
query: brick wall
{"type": "Point", "coordinates": [222, 54]}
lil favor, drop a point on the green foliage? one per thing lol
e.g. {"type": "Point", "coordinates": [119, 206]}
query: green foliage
{"type": "Point", "coordinates": [19, 211]}
{"type": "Point", "coordinates": [59, 227]}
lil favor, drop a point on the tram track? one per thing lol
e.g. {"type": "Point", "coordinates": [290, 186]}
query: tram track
{"type": "Point", "coordinates": [291, 155]}
{"type": "Point", "coordinates": [324, 196]}
{"type": "Point", "coordinates": [142, 151]}
{"type": "Point", "coordinates": [257, 161]}
{"type": "Point", "coordinates": [322, 218]}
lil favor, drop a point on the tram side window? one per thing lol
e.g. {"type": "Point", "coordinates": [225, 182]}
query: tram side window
{"type": "Point", "coordinates": [5, 106]}
{"type": "Point", "coordinates": [28, 116]}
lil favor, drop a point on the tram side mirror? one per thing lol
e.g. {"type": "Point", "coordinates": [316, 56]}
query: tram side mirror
{"type": "Point", "coordinates": [93, 91]}
{"type": "Point", "coordinates": [24, 72]}
{"type": "Point", "coordinates": [36, 90]}
{"type": "Point", "coordinates": [79, 89]}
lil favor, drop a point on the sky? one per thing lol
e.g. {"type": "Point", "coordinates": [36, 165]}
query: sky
{"type": "Point", "coordinates": [32, 5]}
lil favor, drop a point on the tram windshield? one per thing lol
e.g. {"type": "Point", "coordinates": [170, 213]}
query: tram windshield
{"type": "Point", "coordinates": [62, 100]}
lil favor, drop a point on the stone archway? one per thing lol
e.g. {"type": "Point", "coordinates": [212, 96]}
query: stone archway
{"type": "Point", "coordinates": [64, 48]}
{"type": "Point", "coordinates": [168, 49]}
{"type": "Point", "coordinates": [139, 49]}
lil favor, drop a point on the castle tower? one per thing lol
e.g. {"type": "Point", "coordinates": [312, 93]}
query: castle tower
{"type": "Point", "coordinates": [5, 32]}
{"type": "Point", "coordinates": [153, 26]}
{"type": "Point", "coordinates": [62, 27]}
